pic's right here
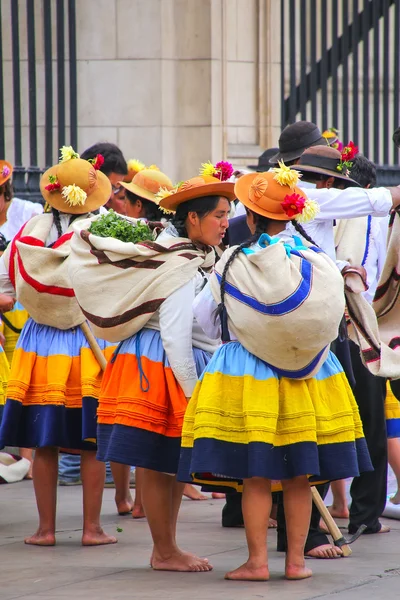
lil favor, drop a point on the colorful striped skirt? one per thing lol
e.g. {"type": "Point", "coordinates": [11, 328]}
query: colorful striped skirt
{"type": "Point", "coordinates": [392, 412]}
{"type": "Point", "coordinates": [52, 391]}
{"type": "Point", "coordinates": [141, 405]}
{"type": "Point", "coordinates": [244, 421]}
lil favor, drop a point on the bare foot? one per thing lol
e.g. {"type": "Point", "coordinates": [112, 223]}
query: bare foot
{"type": "Point", "coordinates": [272, 524]}
{"type": "Point", "coordinates": [294, 572]}
{"type": "Point", "coordinates": [97, 537]}
{"type": "Point", "coordinates": [182, 562]}
{"type": "Point", "coordinates": [384, 529]}
{"type": "Point", "coordinates": [41, 538]}
{"type": "Point", "coordinates": [218, 496]}
{"type": "Point", "coordinates": [249, 572]}
{"type": "Point", "coordinates": [124, 507]}
{"type": "Point", "coordinates": [339, 512]}
{"type": "Point", "coordinates": [193, 493]}
{"type": "Point", "coordinates": [322, 526]}
{"type": "Point", "coordinates": [395, 499]}
{"type": "Point", "coordinates": [138, 512]}
{"type": "Point", "coordinates": [325, 551]}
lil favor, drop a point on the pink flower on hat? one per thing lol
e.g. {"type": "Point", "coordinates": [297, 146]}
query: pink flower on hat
{"type": "Point", "coordinates": [5, 171]}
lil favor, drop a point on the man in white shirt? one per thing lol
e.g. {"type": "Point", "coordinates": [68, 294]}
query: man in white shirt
{"type": "Point", "coordinates": [368, 491]}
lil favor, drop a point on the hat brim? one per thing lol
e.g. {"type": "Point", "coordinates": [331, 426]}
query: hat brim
{"type": "Point", "coordinates": [138, 191]}
{"type": "Point", "coordinates": [317, 170]}
{"type": "Point", "coordinates": [285, 156]}
{"type": "Point", "coordinates": [241, 189]}
{"type": "Point", "coordinates": [222, 188]}
{"type": "Point", "coordinates": [99, 196]}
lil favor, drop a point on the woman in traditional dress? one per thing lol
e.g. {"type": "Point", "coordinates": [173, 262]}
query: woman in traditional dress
{"type": "Point", "coordinates": [153, 373]}
{"type": "Point", "coordinates": [55, 378]}
{"type": "Point", "coordinates": [273, 403]}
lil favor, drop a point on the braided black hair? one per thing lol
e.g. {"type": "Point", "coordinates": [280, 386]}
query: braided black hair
{"type": "Point", "coordinates": [57, 221]}
{"type": "Point", "coordinates": [300, 229]}
{"type": "Point", "coordinates": [7, 190]}
{"type": "Point", "coordinates": [261, 227]}
{"type": "Point", "coordinates": [202, 206]}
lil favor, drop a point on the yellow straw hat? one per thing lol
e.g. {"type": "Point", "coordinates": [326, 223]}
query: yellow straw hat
{"type": "Point", "coordinates": [75, 186]}
{"type": "Point", "coordinates": [147, 183]}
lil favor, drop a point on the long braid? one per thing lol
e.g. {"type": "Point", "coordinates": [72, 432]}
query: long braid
{"type": "Point", "coordinates": [180, 226]}
{"type": "Point", "coordinates": [300, 229]}
{"type": "Point", "coordinates": [57, 221]}
{"type": "Point", "coordinates": [261, 226]}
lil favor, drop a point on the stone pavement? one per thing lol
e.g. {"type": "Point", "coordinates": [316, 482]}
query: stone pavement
{"type": "Point", "coordinates": [69, 571]}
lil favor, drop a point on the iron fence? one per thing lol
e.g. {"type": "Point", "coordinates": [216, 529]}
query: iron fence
{"type": "Point", "coordinates": [58, 48]}
{"type": "Point", "coordinates": [340, 67]}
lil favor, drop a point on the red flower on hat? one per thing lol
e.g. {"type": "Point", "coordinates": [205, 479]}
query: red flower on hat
{"type": "Point", "coordinates": [349, 152]}
{"type": "Point", "coordinates": [53, 185]}
{"type": "Point", "coordinates": [293, 205]}
{"type": "Point", "coordinates": [97, 162]}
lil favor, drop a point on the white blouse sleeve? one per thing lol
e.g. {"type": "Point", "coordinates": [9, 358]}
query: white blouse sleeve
{"type": "Point", "coordinates": [351, 203]}
{"type": "Point", "coordinates": [176, 325]}
{"type": "Point", "coordinates": [6, 287]}
{"type": "Point", "coordinates": [204, 309]}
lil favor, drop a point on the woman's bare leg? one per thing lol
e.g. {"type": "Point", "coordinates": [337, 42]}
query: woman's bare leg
{"type": "Point", "coordinates": [297, 503]}
{"type": "Point", "coordinates": [45, 472]}
{"type": "Point", "coordinates": [159, 504]}
{"type": "Point", "coordinates": [123, 499]}
{"type": "Point", "coordinates": [93, 475]}
{"type": "Point", "coordinates": [256, 506]}
{"type": "Point", "coordinates": [138, 510]}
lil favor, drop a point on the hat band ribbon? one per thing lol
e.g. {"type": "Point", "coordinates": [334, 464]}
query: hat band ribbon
{"type": "Point", "coordinates": [322, 162]}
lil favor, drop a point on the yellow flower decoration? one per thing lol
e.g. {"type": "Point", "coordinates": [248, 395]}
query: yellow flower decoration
{"type": "Point", "coordinates": [166, 211]}
{"type": "Point", "coordinates": [135, 165]}
{"type": "Point", "coordinates": [286, 176]}
{"type": "Point", "coordinates": [74, 195]}
{"type": "Point", "coordinates": [208, 169]}
{"type": "Point", "coordinates": [153, 168]}
{"type": "Point", "coordinates": [67, 152]}
{"type": "Point", "coordinates": [309, 212]}
{"type": "Point", "coordinates": [163, 192]}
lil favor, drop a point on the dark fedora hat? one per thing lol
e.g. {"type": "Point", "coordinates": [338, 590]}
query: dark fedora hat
{"type": "Point", "coordinates": [296, 138]}
{"type": "Point", "coordinates": [324, 160]}
{"type": "Point", "coordinates": [263, 160]}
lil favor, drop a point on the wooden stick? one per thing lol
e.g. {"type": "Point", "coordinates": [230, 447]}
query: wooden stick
{"type": "Point", "coordinates": [87, 332]}
{"type": "Point", "coordinates": [329, 521]}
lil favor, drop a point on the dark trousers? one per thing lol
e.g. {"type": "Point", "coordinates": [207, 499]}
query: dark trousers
{"type": "Point", "coordinates": [368, 491]}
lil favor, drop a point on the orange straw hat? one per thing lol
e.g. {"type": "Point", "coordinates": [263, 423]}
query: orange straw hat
{"type": "Point", "coordinates": [75, 186]}
{"type": "Point", "coordinates": [212, 181]}
{"type": "Point", "coordinates": [147, 183]}
{"type": "Point", "coordinates": [274, 194]}
{"type": "Point", "coordinates": [5, 171]}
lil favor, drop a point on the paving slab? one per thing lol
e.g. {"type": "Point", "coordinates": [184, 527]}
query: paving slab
{"type": "Point", "coordinates": [121, 571]}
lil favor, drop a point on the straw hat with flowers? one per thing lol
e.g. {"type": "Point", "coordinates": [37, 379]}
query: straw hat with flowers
{"type": "Point", "coordinates": [75, 186]}
{"type": "Point", "coordinates": [212, 181]}
{"type": "Point", "coordinates": [147, 183]}
{"type": "Point", "coordinates": [275, 194]}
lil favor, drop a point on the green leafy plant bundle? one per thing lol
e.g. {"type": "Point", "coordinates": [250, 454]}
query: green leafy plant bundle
{"type": "Point", "coordinates": [112, 225]}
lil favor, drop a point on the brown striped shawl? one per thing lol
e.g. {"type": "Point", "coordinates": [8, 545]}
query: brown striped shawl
{"type": "Point", "coordinates": [119, 285]}
{"type": "Point", "coordinates": [376, 328]}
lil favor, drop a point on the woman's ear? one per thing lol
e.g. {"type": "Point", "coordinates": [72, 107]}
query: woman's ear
{"type": "Point", "coordinates": [330, 182]}
{"type": "Point", "coordinates": [192, 217]}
